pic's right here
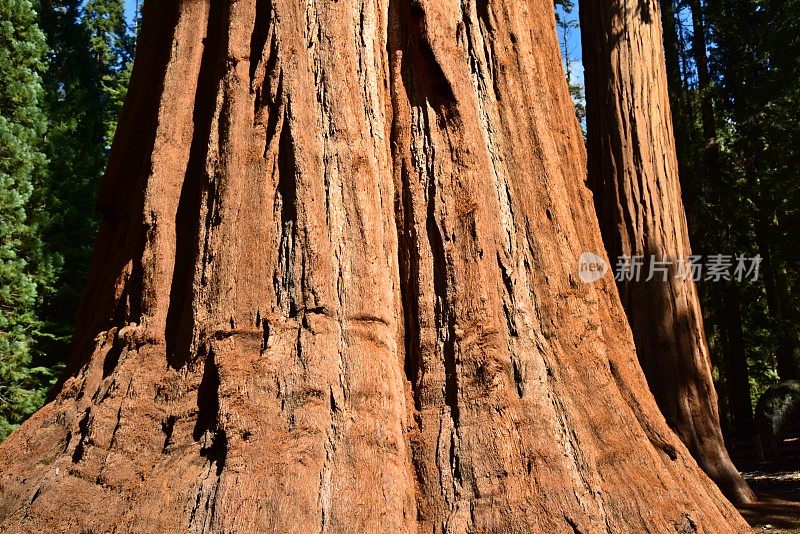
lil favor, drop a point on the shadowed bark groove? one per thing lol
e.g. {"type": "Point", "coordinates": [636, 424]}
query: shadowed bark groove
{"type": "Point", "coordinates": [633, 172]}
{"type": "Point", "coordinates": [177, 332]}
{"type": "Point", "coordinates": [381, 328]}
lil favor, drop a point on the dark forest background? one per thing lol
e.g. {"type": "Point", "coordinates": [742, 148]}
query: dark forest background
{"type": "Point", "coordinates": [734, 74]}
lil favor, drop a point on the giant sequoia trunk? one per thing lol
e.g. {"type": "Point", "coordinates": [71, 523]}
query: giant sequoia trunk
{"type": "Point", "coordinates": [633, 173]}
{"type": "Point", "coordinates": [336, 291]}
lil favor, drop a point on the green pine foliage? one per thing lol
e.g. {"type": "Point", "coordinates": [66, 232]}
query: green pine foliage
{"type": "Point", "coordinates": [76, 149]}
{"type": "Point", "coordinates": [90, 59]}
{"type": "Point", "coordinates": [568, 26]}
{"type": "Point", "coordinates": [63, 78]}
{"type": "Point", "coordinates": [112, 45]}
{"type": "Point", "coordinates": [24, 266]}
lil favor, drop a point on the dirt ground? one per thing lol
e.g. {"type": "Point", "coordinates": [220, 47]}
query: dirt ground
{"type": "Point", "coordinates": [777, 484]}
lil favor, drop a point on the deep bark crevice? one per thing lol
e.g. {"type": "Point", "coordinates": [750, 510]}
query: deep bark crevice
{"type": "Point", "coordinates": [409, 264]}
{"type": "Point", "coordinates": [207, 395]}
{"type": "Point", "coordinates": [111, 360]}
{"type": "Point", "coordinates": [168, 427]}
{"type": "Point", "coordinates": [286, 204]}
{"type": "Point", "coordinates": [260, 35]}
{"type": "Point", "coordinates": [444, 313]}
{"type": "Point", "coordinates": [213, 438]}
{"type": "Point", "coordinates": [274, 110]}
{"type": "Point", "coordinates": [178, 328]}
{"type": "Point", "coordinates": [83, 433]}
{"type": "Point", "coordinates": [423, 76]}
{"type": "Point", "coordinates": [424, 84]}
{"type": "Point", "coordinates": [266, 73]}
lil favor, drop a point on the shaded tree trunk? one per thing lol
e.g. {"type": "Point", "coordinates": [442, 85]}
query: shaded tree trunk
{"type": "Point", "coordinates": [681, 104]}
{"type": "Point", "coordinates": [335, 291]}
{"type": "Point", "coordinates": [707, 116]}
{"type": "Point", "coordinates": [788, 350]}
{"type": "Point", "coordinates": [633, 173]}
{"type": "Point", "coordinates": [779, 292]}
{"type": "Point", "coordinates": [737, 374]}
{"type": "Point", "coordinates": [672, 58]}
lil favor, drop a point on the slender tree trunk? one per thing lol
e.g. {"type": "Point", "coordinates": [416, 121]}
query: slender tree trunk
{"type": "Point", "coordinates": [788, 355]}
{"type": "Point", "coordinates": [778, 291]}
{"type": "Point", "coordinates": [336, 291]}
{"type": "Point", "coordinates": [777, 288]}
{"type": "Point", "coordinates": [672, 55]}
{"type": "Point", "coordinates": [707, 115]}
{"type": "Point", "coordinates": [633, 173]}
{"type": "Point", "coordinates": [682, 118]}
{"type": "Point", "coordinates": [737, 374]}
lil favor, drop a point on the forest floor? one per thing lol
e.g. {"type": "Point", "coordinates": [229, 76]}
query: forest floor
{"type": "Point", "coordinates": [777, 484]}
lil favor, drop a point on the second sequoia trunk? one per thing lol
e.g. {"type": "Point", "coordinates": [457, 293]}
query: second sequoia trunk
{"type": "Point", "coordinates": [336, 291]}
{"type": "Point", "coordinates": [633, 173]}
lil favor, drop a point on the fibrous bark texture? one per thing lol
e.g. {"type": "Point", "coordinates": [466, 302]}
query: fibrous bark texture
{"type": "Point", "coordinates": [336, 291]}
{"type": "Point", "coordinates": [633, 172]}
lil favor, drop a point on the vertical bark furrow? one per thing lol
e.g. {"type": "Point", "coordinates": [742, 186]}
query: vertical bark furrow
{"type": "Point", "coordinates": [262, 28]}
{"type": "Point", "coordinates": [286, 206]}
{"type": "Point", "coordinates": [187, 215]}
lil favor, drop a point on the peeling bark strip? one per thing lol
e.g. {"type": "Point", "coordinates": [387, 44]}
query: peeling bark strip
{"type": "Point", "coordinates": [341, 270]}
{"type": "Point", "coordinates": [633, 172]}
